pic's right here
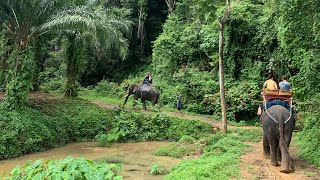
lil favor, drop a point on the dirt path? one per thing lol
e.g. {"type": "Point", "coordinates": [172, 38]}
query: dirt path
{"type": "Point", "coordinates": [253, 164]}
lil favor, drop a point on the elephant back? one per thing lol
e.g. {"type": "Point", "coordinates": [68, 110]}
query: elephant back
{"type": "Point", "coordinates": [277, 112]}
{"type": "Point", "coordinates": [144, 88]}
{"type": "Point", "coordinates": [147, 88]}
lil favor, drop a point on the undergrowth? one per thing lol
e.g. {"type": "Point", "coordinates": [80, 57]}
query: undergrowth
{"type": "Point", "coordinates": [220, 158]}
{"type": "Point", "coordinates": [50, 123]}
{"type": "Point", "coordinates": [68, 168]}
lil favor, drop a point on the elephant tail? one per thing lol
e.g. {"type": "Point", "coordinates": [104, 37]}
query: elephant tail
{"type": "Point", "coordinates": [290, 166]}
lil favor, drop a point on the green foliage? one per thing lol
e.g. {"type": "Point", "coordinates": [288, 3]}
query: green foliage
{"type": "Point", "coordinates": [107, 88]}
{"type": "Point", "coordinates": [308, 139]}
{"type": "Point", "coordinates": [68, 168]}
{"type": "Point", "coordinates": [103, 140]}
{"type": "Point", "coordinates": [44, 125]}
{"type": "Point", "coordinates": [156, 169]}
{"type": "Point", "coordinates": [135, 126]}
{"type": "Point", "coordinates": [200, 94]}
{"type": "Point", "coordinates": [19, 78]}
{"type": "Point", "coordinates": [112, 159]}
{"type": "Point", "coordinates": [179, 150]}
{"type": "Point", "coordinates": [3, 62]}
{"type": "Point", "coordinates": [220, 160]}
{"type": "Point", "coordinates": [113, 136]}
{"type": "Point", "coordinates": [179, 42]}
{"type": "Point", "coordinates": [186, 139]}
{"type": "Point", "coordinates": [246, 135]}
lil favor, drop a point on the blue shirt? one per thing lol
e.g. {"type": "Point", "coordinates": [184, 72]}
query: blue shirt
{"type": "Point", "coordinates": [285, 86]}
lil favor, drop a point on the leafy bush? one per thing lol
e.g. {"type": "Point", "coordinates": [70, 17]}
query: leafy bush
{"type": "Point", "coordinates": [53, 78]}
{"type": "Point", "coordinates": [135, 126]}
{"type": "Point", "coordinates": [202, 95]}
{"type": "Point", "coordinates": [112, 159]}
{"type": "Point", "coordinates": [105, 87]}
{"type": "Point", "coordinates": [309, 138]}
{"type": "Point", "coordinates": [68, 168]}
{"type": "Point", "coordinates": [221, 159]}
{"type": "Point", "coordinates": [102, 140]}
{"type": "Point", "coordinates": [54, 84]}
{"type": "Point", "coordinates": [156, 169]}
{"type": "Point", "coordinates": [186, 139]}
{"type": "Point", "coordinates": [179, 150]}
{"type": "Point", "coordinates": [47, 124]}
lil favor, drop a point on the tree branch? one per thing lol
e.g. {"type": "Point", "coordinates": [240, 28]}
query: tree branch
{"type": "Point", "coordinates": [225, 17]}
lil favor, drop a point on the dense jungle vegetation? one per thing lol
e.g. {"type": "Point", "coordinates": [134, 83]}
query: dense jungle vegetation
{"type": "Point", "coordinates": [95, 49]}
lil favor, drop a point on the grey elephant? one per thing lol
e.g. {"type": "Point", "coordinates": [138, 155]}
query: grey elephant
{"type": "Point", "coordinates": [277, 135]}
{"type": "Point", "coordinates": [143, 92]}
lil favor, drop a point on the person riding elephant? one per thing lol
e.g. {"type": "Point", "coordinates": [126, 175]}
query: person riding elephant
{"type": "Point", "coordinates": [284, 84]}
{"type": "Point", "coordinates": [151, 95]}
{"type": "Point", "coordinates": [147, 79]}
{"type": "Point", "coordinates": [269, 84]}
{"type": "Point", "coordinates": [278, 124]}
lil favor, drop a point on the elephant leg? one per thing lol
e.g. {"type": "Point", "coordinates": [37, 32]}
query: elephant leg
{"type": "Point", "coordinates": [274, 144]}
{"type": "Point", "coordinates": [266, 147]}
{"type": "Point", "coordinates": [153, 102]}
{"type": "Point", "coordinates": [285, 158]}
{"type": "Point", "coordinates": [135, 101]}
{"type": "Point", "coordinates": [279, 154]}
{"type": "Point", "coordinates": [144, 104]}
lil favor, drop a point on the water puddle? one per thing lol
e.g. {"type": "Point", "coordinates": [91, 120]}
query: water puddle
{"type": "Point", "coordinates": [138, 157]}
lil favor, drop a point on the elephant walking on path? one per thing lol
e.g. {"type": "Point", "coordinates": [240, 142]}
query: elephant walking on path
{"type": "Point", "coordinates": [143, 92]}
{"type": "Point", "coordinates": [277, 134]}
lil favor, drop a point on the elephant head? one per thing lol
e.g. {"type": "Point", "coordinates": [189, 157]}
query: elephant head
{"type": "Point", "coordinates": [131, 90]}
{"type": "Point", "coordinates": [278, 125]}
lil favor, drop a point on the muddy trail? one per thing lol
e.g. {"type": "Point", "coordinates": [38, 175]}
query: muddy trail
{"type": "Point", "coordinates": [254, 166]}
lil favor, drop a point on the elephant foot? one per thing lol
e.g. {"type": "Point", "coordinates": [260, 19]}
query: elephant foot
{"type": "Point", "coordinates": [266, 155]}
{"type": "Point", "coordinates": [274, 164]}
{"type": "Point", "coordinates": [286, 170]}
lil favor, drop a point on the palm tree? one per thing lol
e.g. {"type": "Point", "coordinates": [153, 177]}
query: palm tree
{"type": "Point", "coordinates": [26, 20]}
{"type": "Point", "coordinates": [106, 26]}
{"type": "Point", "coordinates": [23, 20]}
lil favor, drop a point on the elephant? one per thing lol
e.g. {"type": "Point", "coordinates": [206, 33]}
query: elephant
{"type": "Point", "coordinates": [277, 134]}
{"type": "Point", "coordinates": [144, 92]}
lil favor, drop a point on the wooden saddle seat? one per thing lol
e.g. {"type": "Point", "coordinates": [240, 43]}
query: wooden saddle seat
{"type": "Point", "coordinates": [277, 94]}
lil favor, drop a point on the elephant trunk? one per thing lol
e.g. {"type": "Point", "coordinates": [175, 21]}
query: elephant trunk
{"type": "Point", "coordinates": [287, 165]}
{"type": "Point", "coordinates": [126, 98]}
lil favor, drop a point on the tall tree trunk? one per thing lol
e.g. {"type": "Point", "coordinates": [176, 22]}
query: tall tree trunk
{"type": "Point", "coordinates": [222, 22]}
{"type": "Point", "coordinates": [19, 77]}
{"type": "Point", "coordinates": [39, 67]}
{"type": "Point", "coordinates": [74, 62]}
{"type": "Point", "coordinates": [71, 67]}
{"type": "Point", "coordinates": [141, 24]}
{"type": "Point", "coordinates": [170, 4]}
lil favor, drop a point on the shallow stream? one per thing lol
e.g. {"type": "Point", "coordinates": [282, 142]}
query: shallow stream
{"type": "Point", "coordinates": [138, 157]}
